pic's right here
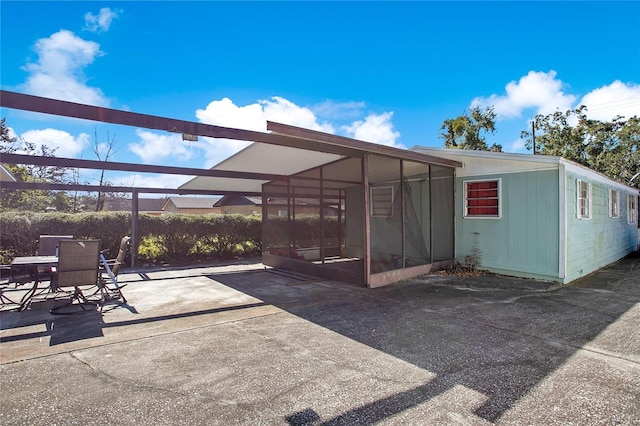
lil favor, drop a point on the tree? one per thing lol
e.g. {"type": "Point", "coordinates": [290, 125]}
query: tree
{"type": "Point", "coordinates": [29, 200]}
{"type": "Point", "coordinates": [468, 130]}
{"type": "Point", "coordinates": [609, 147]}
{"type": "Point", "coordinates": [103, 150]}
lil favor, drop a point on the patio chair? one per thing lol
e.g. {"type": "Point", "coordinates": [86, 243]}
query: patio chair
{"type": "Point", "coordinates": [48, 244]}
{"type": "Point", "coordinates": [109, 268]}
{"type": "Point", "coordinates": [78, 263]}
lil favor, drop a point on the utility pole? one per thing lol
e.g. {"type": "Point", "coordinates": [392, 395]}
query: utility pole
{"type": "Point", "coordinates": [533, 135]}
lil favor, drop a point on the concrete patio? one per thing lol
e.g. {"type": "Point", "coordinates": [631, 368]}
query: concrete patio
{"type": "Point", "coordinates": [240, 344]}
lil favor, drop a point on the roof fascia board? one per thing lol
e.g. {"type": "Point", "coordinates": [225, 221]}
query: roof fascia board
{"type": "Point", "coordinates": [586, 172]}
{"type": "Point", "coordinates": [368, 147]}
{"type": "Point", "coordinates": [489, 154]}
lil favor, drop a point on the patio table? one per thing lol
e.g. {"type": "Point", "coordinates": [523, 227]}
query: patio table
{"type": "Point", "coordinates": [32, 265]}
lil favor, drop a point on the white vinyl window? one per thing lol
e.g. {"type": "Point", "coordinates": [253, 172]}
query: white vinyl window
{"type": "Point", "coordinates": [584, 199]}
{"type": "Point", "coordinates": [632, 209]}
{"type": "Point", "coordinates": [382, 201]}
{"type": "Point", "coordinates": [614, 203]}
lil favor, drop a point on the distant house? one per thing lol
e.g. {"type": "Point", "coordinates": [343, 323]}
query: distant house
{"type": "Point", "coordinates": [237, 204]}
{"type": "Point", "coordinates": [191, 205]}
{"type": "Point", "coordinates": [539, 216]}
{"type": "Point", "coordinates": [151, 206]}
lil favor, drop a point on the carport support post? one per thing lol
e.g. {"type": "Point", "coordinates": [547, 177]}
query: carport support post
{"type": "Point", "coordinates": [367, 221]}
{"type": "Point", "coordinates": [402, 216]}
{"type": "Point", "coordinates": [134, 228]}
{"type": "Point", "coordinates": [321, 216]}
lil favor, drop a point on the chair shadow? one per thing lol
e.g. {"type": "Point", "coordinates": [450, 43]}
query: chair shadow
{"type": "Point", "coordinates": [88, 324]}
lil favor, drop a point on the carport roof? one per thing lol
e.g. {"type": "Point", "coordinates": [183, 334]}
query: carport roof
{"type": "Point", "coordinates": [267, 158]}
{"type": "Point", "coordinates": [283, 151]}
{"type": "Point", "coordinates": [259, 157]}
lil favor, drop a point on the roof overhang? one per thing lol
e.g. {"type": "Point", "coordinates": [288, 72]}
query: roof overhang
{"type": "Point", "coordinates": [282, 152]}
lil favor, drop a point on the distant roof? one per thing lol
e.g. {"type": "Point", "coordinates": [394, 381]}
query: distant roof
{"type": "Point", "coordinates": [193, 202]}
{"type": "Point", "coordinates": [238, 200]}
{"type": "Point", "coordinates": [124, 204]}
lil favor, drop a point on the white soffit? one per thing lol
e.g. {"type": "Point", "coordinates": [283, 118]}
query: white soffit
{"type": "Point", "coordinates": [260, 158]}
{"type": "Point", "coordinates": [275, 159]}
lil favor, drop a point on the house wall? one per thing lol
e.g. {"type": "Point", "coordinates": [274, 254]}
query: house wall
{"type": "Point", "coordinates": [524, 241]}
{"type": "Point", "coordinates": [601, 240]}
{"type": "Point", "coordinates": [246, 210]}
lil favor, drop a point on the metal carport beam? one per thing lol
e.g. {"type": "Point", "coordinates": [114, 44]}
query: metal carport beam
{"type": "Point", "coordinates": [107, 115]}
{"type": "Point", "coordinates": [43, 186]}
{"type": "Point", "coordinates": [132, 167]}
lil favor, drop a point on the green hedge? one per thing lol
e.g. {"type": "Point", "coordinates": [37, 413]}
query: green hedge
{"type": "Point", "coordinates": [166, 238]}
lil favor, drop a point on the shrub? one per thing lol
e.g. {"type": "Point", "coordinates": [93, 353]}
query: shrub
{"type": "Point", "coordinates": [168, 238]}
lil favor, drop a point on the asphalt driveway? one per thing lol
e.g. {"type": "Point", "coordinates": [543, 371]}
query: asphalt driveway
{"type": "Point", "coordinates": [240, 344]}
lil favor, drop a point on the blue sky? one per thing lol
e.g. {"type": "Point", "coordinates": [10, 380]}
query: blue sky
{"type": "Point", "coordinates": [384, 72]}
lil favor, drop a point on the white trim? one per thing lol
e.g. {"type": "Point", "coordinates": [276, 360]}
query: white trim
{"type": "Point", "coordinates": [571, 166]}
{"type": "Point", "coordinates": [587, 173]}
{"type": "Point", "coordinates": [562, 222]}
{"type": "Point", "coordinates": [465, 215]}
{"type": "Point", "coordinates": [612, 214]}
{"type": "Point", "coordinates": [632, 218]}
{"type": "Point", "coordinates": [588, 200]}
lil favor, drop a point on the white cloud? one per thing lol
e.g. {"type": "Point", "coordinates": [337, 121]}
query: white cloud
{"type": "Point", "coordinates": [538, 90]}
{"type": "Point", "coordinates": [376, 128]}
{"type": "Point", "coordinates": [153, 147]}
{"type": "Point", "coordinates": [58, 72]}
{"type": "Point", "coordinates": [283, 111]}
{"type": "Point", "coordinates": [227, 114]}
{"type": "Point", "coordinates": [152, 181]}
{"type": "Point", "coordinates": [251, 117]}
{"type": "Point", "coordinates": [65, 144]}
{"type": "Point", "coordinates": [617, 98]}
{"type": "Point", "coordinates": [517, 145]}
{"type": "Point", "coordinates": [100, 22]}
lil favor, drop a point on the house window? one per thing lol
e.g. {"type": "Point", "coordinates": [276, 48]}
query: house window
{"type": "Point", "coordinates": [382, 201]}
{"type": "Point", "coordinates": [482, 199]}
{"type": "Point", "coordinates": [632, 209]}
{"type": "Point", "coordinates": [584, 200]}
{"type": "Point", "coordinates": [614, 203]}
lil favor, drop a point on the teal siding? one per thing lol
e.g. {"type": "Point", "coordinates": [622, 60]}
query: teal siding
{"type": "Point", "coordinates": [601, 240]}
{"type": "Point", "coordinates": [525, 240]}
